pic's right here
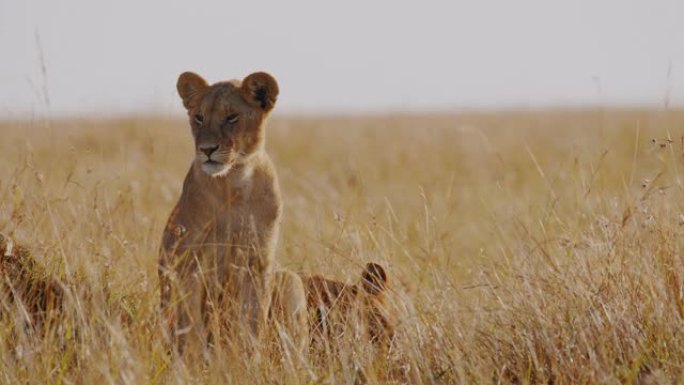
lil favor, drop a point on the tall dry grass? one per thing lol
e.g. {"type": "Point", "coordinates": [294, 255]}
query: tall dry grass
{"type": "Point", "coordinates": [522, 247]}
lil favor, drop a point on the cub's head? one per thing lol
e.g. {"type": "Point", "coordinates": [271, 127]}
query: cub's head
{"type": "Point", "coordinates": [227, 118]}
{"type": "Point", "coordinates": [380, 324]}
{"type": "Point", "coordinates": [374, 279]}
{"type": "Point", "coordinates": [331, 303]}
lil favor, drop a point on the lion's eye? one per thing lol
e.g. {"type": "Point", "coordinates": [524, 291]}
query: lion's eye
{"type": "Point", "coordinates": [199, 119]}
{"type": "Point", "coordinates": [232, 118]}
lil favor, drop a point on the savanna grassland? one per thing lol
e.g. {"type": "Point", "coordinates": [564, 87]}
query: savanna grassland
{"type": "Point", "coordinates": [522, 247]}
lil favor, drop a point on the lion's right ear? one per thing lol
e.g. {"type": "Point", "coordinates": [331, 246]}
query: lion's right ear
{"type": "Point", "coordinates": [191, 87]}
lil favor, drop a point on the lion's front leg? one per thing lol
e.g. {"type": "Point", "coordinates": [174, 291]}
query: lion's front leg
{"type": "Point", "coordinates": [252, 273]}
{"type": "Point", "coordinates": [182, 287]}
{"type": "Point", "coordinates": [189, 331]}
{"type": "Point", "coordinates": [288, 315]}
{"type": "Point", "coordinates": [251, 302]}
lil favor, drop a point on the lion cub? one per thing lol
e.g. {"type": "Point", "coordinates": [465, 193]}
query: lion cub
{"type": "Point", "coordinates": [218, 246]}
{"type": "Point", "coordinates": [332, 305]}
{"type": "Point", "coordinates": [23, 282]}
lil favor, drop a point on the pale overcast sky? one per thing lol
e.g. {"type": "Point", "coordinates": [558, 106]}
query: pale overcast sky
{"type": "Point", "coordinates": [124, 56]}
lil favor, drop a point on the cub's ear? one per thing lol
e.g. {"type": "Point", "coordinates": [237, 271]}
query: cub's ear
{"type": "Point", "coordinates": [374, 279]}
{"type": "Point", "coordinates": [260, 90]}
{"type": "Point", "coordinates": [191, 87]}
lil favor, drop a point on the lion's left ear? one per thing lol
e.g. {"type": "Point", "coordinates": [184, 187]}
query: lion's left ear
{"type": "Point", "coordinates": [260, 90]}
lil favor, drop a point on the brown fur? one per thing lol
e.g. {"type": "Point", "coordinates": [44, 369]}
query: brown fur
{"type": "Point", "coordinates": [331, 303]}
{"type": "Point", "coordinates": [40, 295]}
{"type": "Point", "coordinates": [25, 284]}
{"type": "Point", "coordinates": [218, 246]}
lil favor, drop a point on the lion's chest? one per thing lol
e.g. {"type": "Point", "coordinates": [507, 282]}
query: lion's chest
{"type": "Point", "coordinates": [230, 227]}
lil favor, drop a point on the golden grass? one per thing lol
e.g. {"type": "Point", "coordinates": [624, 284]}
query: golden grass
{"type": "Point", "coordinates": [522, 247]}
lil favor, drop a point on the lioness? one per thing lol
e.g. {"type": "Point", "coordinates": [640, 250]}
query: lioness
{"type": "Point", "coordinates": [334, 305]}
{"type": "Point", "coordinates": [218, 246]}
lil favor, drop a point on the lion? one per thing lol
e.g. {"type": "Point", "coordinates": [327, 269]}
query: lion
{"type": "Point", "coordinates": [41, 296]}
{"type": "Point", "coordinates": [288, 314]}
{"type": "Point", "coordinates": [333, 305]}
{"type": "Point", "coordinates": [217, 249]}
{"type": "Point", "coordinates": [27, 285]}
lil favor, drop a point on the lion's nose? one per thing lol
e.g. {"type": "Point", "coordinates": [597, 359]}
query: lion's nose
{"type": "Point", "coordinates": [208, 150]}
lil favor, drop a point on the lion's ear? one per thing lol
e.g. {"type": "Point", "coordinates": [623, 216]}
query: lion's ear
{"type": "Point", "coordinates": [260, 90]}
{"type": "Point", "coordinates": [191, 87]}
{"type": "Point", "coordinates": [374, 279]}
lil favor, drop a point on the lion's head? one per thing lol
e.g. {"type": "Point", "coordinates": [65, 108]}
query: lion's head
{"type": "Point", "coordinates": [227, 118]}
{"type": "Point", "coordinates": [332, 302]}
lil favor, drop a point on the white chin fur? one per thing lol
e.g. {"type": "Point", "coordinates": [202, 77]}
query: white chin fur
{"type": "Point", "coordinates": [216, 170]}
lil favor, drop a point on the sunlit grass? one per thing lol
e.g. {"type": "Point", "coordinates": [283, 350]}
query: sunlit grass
{"type": "Point", "coordinates": [521, 247]}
